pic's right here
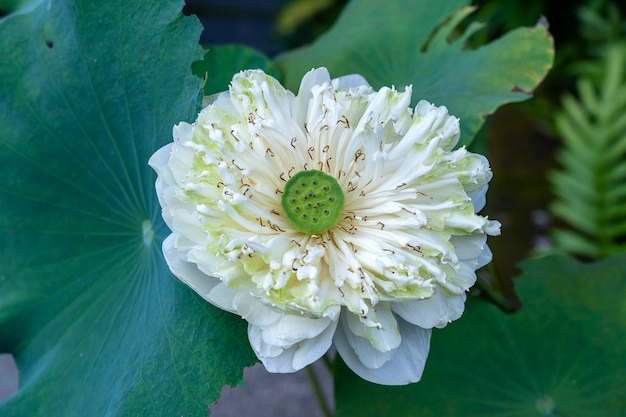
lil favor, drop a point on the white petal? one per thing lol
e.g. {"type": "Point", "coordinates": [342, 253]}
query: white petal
{"type": "Point", "coordinates": [479, 197]}
{"type": "Point", "coordinates": [253, 310]}
{"type": "Point", "coordinates": [264, 351]}
{"type": "Point", "coordinates": [469, 247]}
{"type": "Point", "coordinates": [310, 350]}
{"type": "Point", "coordinates": [317, 76]}
{"type": "Point", "coordinates": [382, 339]}
{"type": "Point", "coordinates": [484, 258]}
{"type": "Point", "coordinates": [367, 355]}
{"type": "Point", "coordinates": [290, 329]}
{"type": "Point", "coordinates": [187, 272]}
{"type": "Point", "coordinates": [181, 218]}
{"type": "Point", "coordinates": [296, 355]}
{"type": "Point", "coordinates": [158, 161]}
{"type": "Point", "coordinates": [436, 311]}
{"type": "Point", "coordinates": [351, 81]}
{"type": "Point", "coordinates": [493, 229]}
{"type": "Point", "coordinates": [464, 278]}
{"type": "Point", "coordinates": [301, 103]}
{"type": "Point", "coordinates": [405, 366]}
{"type": "Point", "coordinates": [222, 297]}
{"type": "Point", "coordinates": [472, 250]}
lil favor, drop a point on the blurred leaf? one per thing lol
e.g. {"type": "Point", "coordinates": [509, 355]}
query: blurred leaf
{"type": "Point", "coordinates": [403, 42]}
{"type": "Point", "coordinates": [98, 326]}
{"type": "Point", "coordinates": [297, 12]}
{"type": "Point", "coordinates": [221, 62]}
{"type": "Point", "coordinates": [16, 6]}
{"type": "Point", "coordinates": [589, 193]}
{"type": "Point", "coordinates": [562, 354]}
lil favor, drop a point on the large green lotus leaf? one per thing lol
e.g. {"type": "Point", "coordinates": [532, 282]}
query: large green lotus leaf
{"type": "Point", "coordinates": [562, 354]}
{"type": "Point", "coordinates": [406, 42]}
{"type": "Point", "coordinates": [96, 323]}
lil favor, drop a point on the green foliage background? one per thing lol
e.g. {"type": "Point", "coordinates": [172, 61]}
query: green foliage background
{"type": "Point", "coordinates": [89, 90]}
{"type": "Point", "coordinates": [88, 308]}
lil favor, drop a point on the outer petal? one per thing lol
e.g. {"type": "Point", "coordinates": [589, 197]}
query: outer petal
{"type": "Point", "coordinates": [158, 161]}
{"type": "Point", "coordinates": [436, 311]}
{"type": "Point", "coordinates": [187, 272]}
{"type": "Point", "coordinates": [292, 342]}
{"type": "Point", "coordinates": [484, 258]}
{"type": "Point", "coordinates": [373, 346]}
{"type": "Point", "coordinates": [468, 248]}
{"type": "Point", "coordinates": [312, 78]}
{"type": "Point", "coordinates": [224, 297]}
{"type": "Point", "coordinates": [352, 81]}
{"type": "Point", "coordinates": [253, 310]}
{"type": "Point", "coordinates": [382, 339]}
{"type": "Point", "coordinates": [406, 363]}
{"type": "Point", "coordinates": [472, 250]}
{"type": "Point", "coordinates": [479, 197]}
{"type": "Point", "coordinates": [367, 355]}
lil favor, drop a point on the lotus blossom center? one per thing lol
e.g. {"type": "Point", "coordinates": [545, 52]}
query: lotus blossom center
{"type": "Point", "coordinates": [312, 201]}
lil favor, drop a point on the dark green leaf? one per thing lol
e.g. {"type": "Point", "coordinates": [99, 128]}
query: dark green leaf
{"type": "Point", "coordinates": [403, 42]}
{"type": "Point", "coordinates": [221, 62]}
{"type": "Point", "coordinates": [569, 241]}
{"type": "Point", "coordinates": [562, 354]}
{"type": "Point", "coordinates": [98, 326]}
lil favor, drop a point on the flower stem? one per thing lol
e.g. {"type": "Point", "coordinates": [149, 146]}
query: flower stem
{"type": "Point", "coordinates": [317, 389]}
{"type": "Point", "coordinates": [329, 362]}
{"type": "Point", "coordinates": [490, 290]}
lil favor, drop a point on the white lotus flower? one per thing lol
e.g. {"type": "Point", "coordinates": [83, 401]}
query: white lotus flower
{"type": "Point", "coordinates": [340, 214]}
